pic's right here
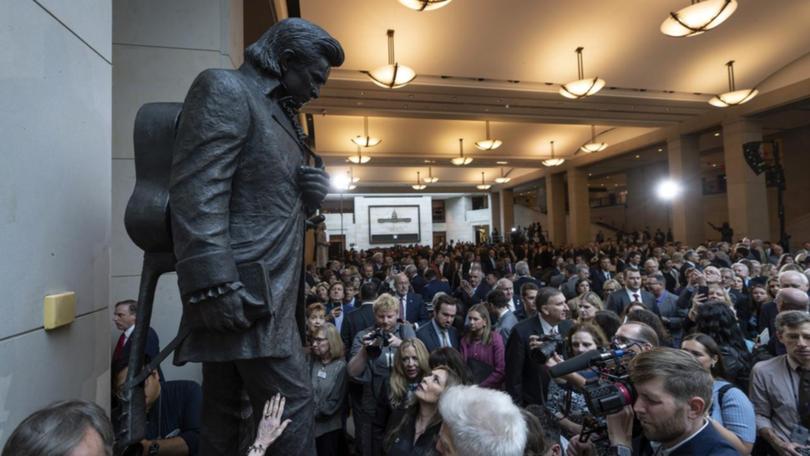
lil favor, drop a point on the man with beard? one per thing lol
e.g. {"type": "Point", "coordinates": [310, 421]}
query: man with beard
{"type": "Point", "coordinates": [674, 396]}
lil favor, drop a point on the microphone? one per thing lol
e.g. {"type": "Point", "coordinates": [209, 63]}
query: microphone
{"type": "Point", "coordinates": [584, 361]}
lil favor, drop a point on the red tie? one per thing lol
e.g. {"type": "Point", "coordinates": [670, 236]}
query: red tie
{"type": "Point", "coordinates": [119, 346]}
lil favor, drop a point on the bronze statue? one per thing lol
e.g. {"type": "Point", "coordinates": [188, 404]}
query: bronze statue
{"type": "Point", "coordinates": [242, 183]}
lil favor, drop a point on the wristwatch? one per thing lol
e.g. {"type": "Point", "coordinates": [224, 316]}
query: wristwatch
{"type": "Point", "coordinates": [619, 450]}
{"type": "Point", "coordinates": [154, 449]}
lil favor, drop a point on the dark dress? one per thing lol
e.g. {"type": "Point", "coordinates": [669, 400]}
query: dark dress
{"type": "Point", "coordinates": [403, 443]}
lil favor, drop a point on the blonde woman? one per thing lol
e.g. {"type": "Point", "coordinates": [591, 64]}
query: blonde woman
{"type": "Point", "coordinates": [589, 304]}
{"type": "Point", "coordinates": [329, 381]}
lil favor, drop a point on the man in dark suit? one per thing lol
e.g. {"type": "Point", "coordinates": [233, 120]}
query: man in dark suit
{"type": "Point", "coordinates": [124, 319]}
{"type": "Point", "coordinates": [523, 277]}
{"type": "Point", "coordinates": [671, 315]}
{"type": "Point", "coordinates": [361, 317]}
{"type": "Point", "coordinates": [417, 281]}
{"type": "Point", "coordinates": [632, 292]}
{"type": "Point", "coordinates": [526, 379]}
{"type": "Point", "coordinates": [473, 291]}
{"type": "Point", "coordinates": [439, 331]}
{"type": "Point", "coordinates": [443, 267]}
{"type": "Point", "coordinates": [411, 304]}
{"type": "Point", "coordinates": [681, 426]}
{"type": "Point", "coordinates": [601, 274]}
{"type": "Point", "coordinates": [434, 286]}
{"type": "Point", "coordinates": [243, 183]}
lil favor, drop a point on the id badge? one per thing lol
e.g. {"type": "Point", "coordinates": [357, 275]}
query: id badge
{"type": "Point", "coordinates": [321, 373]}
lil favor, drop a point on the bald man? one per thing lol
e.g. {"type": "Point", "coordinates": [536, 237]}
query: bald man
{"type": "Point", "coordinates": [787, 299]}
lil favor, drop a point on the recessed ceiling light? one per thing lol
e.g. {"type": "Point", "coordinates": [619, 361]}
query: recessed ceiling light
{"type": "Point", "coordinates": [590, 174]}
{"type": "Point", "coordinates": [714, 165]}
{"type": "Point", "coordinates": [502, 162]}
{"type": "Point", "coordinates": [638, 156]}
{"type": "Point", "coordinates": [717, 133]}
{"type": "Point", "coordinates": [660, 149]}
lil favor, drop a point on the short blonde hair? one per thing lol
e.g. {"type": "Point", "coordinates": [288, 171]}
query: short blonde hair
{"type": "Point", "coordinates": [386, 303]}
{"type": "Point", "coordinates": [336, 348]}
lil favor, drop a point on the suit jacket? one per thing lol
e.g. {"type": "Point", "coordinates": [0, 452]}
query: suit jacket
{"type": "Point", "coordinates": [355, 321]}
{"type": "Point", "coordinates": [416, 311]}
{"type": "Point", "coordinates": [505, 323]}
{"type": "Point", "coordinates": [235, 204]}
{"type": "Point", "coordinates": [433, 287]}
{"type": "Point", "coordinates": [480, 295]}
{"type": "Point", "coordinates": [346, 309]}
{"type": "Point", "coordinates": [428, 335]}
{"type": "Point", "coordinates": [618, 300]}
{"type": "Point", "coordinates": [526, 380]}
{"type": "Point", "coordinates": [152, 347]}
{"type": "Point", "coordinates": [598, 280]}
{"type": "Point", "coordinates": [707, 442]}
{"type": "Point", "coordinates": [418, 283]}
{"type": "Point", "coordinates": [524, 280]}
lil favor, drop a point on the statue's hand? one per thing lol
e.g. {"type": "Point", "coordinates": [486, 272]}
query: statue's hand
{"type": "Point", "coordinates": [314, 185]}
{"type": "Point", "coordinates": [221, 313]}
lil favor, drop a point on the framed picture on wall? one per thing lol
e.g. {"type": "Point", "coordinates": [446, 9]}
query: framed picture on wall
{"type": "Point", "coordinates": [394, 225]}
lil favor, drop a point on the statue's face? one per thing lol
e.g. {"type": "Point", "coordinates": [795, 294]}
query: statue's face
{"type": "Point", "coordinates": [304, 81]}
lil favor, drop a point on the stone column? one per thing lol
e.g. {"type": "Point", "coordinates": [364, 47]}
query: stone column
{"type": "Point", "coordinates": [555, 201]}
{"type": "Point", "coordinates": [746, 192]}
{"type": "Point", "coordinates": [507, 210]}
{"type": "Point", "coordinates": [579, 209]}
{"type": "Point", "coordinates": [495, 213]}
{"type": "Point", "coordinates": [687, 208]}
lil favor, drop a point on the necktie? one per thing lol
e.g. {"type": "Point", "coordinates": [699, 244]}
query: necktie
{"type": "Point", "coordinates": [119, 346]}
{"type": "Point", "coordinates": [402, 304]}
{"type": "Point", "coordinates": [445, 341]}
{"type": "Point", "coordinates": [635, 297]}
{"type": "Point", "coordinates": [803, 407]}
{"type": "Point", "coordinates": [607, 275]}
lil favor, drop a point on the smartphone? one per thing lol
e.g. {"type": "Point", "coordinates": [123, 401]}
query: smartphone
{"type": "Point", "coordinates": [703, 291]}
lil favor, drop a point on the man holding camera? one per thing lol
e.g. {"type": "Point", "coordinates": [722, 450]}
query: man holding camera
{"type": "Point", "coordinates": [526, 377]}
{"type": "Point", "coordinates": [673, 397]}
{"type": "Point", "coordinates": [372, 358]}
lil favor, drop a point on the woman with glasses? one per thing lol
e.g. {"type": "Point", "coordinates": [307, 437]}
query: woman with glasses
{"type": "Point", "coordinates": [328, 374]}
{"type": "Point", "coordinates": [732, 413]}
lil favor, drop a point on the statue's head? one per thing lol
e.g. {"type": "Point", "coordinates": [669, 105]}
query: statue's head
{"type": "Point", "coordinates": [299, 54]}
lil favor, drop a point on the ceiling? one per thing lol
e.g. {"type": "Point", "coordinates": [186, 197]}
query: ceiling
{"type": "Point", "coordinates": [503, 61]}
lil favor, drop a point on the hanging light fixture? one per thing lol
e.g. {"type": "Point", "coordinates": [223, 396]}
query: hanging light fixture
{"type": "Point", "coordinates": [350, 181]}
{"type": "Point", "coordinates": [582, 87]}
{"type": "Point", "coordinates": [353, 179]}
{"type": "Point", "coordinates": [733, 97]}
{"type": "Point", "coordinates": [359, 158]}
{"type": "Point", "coordinates": [482, 185]}
{"type": "Point", "coordinates": [698, 17]}
{"type": "Point", "coordinates": [419, 185]}
{"type": "Point", "coordinates": [425, 5]}
{"type": "Point", "coordinates": [461, 160]}
{"type": "Point", "coordinates": [593, 146]}
{"type": "Point", "coordinates": [365, 140]}
{"type": "Point", "coordinates": [430, 179]}
{"type": "Point", "coordinates": [488, 144]}
{"type": "Point", "coordinates": [553, 161]}
{"type": "Point", "coordinates": [393, 75]}
{"type": "Point", "coordinates": [503, 179]}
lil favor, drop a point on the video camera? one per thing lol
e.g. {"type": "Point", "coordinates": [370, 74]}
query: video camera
{"type": "Point", "coordinates": [379, 338]}
{"type": "Point", "coordinates": [551, 343]}
{"type": "Point", "coordinates": [612, 389]}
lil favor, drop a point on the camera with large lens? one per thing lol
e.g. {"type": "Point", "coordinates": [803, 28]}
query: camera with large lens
{"type": "Point", "coordinates": [608, 397]}
{"type": "Point", "coordinates": [551, 343]}
{"type": "Point", "coordinates": [379, 339]}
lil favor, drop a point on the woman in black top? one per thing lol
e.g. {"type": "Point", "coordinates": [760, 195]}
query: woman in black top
{"type": "Point", "coordinates": [418, 426]}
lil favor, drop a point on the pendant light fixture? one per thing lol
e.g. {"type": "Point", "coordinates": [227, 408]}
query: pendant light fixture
{"type": "Point", "coordinates": [425, 5]}
{"type": "Point", "coordinates": [553, 161]}
{"type": "Point", "coordinates": [365, 140]}
{"type": "Point", "coordinates": [483, 185]}
{"type": "Point", "coordinates": [698, 17]}
{"type": "Point", "coordinates": [733, 97]}
{"type": "Point", "coordinates": [359, 158]}
{"type": "Point", "coordinates": [393, 75]}
{"type": "Point", "coordinates": [488, 144]}
{"type": "Point", "coordinates": [582, 87]}
{"type": "Point", "coordinates": [593, 146]}
{"type": "Point", "coordinates": [430, 179]}
{"type": "Point", "coordinates": [503, 179]}
{"type": "Point", "coordinates": [352, 178]}
{"type": "Point", "coordinates": [419, 185]}
{"type": "Point", "coordinates": [461, 160]}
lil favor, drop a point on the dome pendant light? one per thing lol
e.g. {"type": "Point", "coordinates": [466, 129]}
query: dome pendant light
{"type": "Point", "coordinates": [425, 5]}
{"type": "Point", "coordinates": [593, 146]}
{"type": "Point", "coordinates": [430, 179]}
{"type": "Point", "coordinates": [698, 17]}
{"type": "Point", "coordinates": [365, 140]}
{"type": "Point", "coordinates": [483, 186]}
{"type": "Point", "coordinates": [419, 185]}
{"type": "Point", "coordinates": [733, 97]}
{"type": "Point", "coordinates": [393, 75]}
{"type": "Point", "coordinates": [488, 144]}
{"type": "Point", "coordinates": [359, 159]}
{"type": "Point", "coordinates": [503, 179]}
{"type": "Point", "coordinates": [461, 160]}
{"type": "Point", "coordinates": [553, 161]}
{"type": "Point", "coordinates": [582, 87]}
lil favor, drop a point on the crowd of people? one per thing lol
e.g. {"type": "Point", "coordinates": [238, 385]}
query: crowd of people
{"type": "Point", "coordinates": [450, 350]}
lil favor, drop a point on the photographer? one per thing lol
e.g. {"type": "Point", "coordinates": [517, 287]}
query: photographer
{"type": "Point", "coordinates": [673, 396]}
{"type": "Point", "coordinates": [372, 358]}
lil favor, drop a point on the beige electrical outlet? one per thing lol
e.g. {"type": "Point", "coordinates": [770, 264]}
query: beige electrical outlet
{"type": "Point", "coordinates": [59, 309]}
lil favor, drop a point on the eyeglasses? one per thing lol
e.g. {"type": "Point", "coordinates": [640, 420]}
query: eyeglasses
{"type": "Point", "coordinates": [621, 340]}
